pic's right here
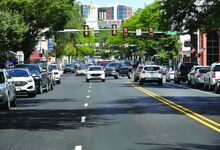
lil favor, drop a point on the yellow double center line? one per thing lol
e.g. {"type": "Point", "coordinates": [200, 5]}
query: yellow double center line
{"type": "Point", "coordinates": [202, 119]}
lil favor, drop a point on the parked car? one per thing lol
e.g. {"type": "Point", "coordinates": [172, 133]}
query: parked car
{"type": "Point", "coordinates": [56, 73]}
{"type": "Point", "coordinates": [117, 69]}
{"type": "Point", "coordinates": [191, 74]}
{"type": "Point", "coordinates": [111, 70]}
{"type": "Point", "coordinates": [7, 90]}
{"type": "Point", "coordinates": [151, 73]}
{"type": "Point", "coordinates": [70, 67]}
{"type": "Point", "coordinates": [137, 73]}
{"type": "Point", "coordinates": [23, 81]}
{"type": "Point", "coordinates": [197, 77]}
{"type": "Point", "coordinates": [40, 76]}
{"type": "Point", "coordinates": [182, 71]}
{"type": "Point", "coordinates": [212, 76]}
{"type": "Point", "coordinates": [81, 71]}
{"type": "Point", "coordinates": [170, 76]}
{"type": "Point", "coordinates": [95, 73]}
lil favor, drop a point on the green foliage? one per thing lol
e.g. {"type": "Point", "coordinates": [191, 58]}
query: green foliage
{"type": "Point", "coordinates": [12, 29]}
{"type": "Point", "coordinates": [39, 15]}
{"type": "Point", "coordinates": [191, 14]}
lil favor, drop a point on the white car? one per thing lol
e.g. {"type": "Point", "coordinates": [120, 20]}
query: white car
{"type": "Point", "coordinates": [95, 73]}
{"type": "Point", "coordinates": [170, 76]}
{"type": "Point", "coordinates": [151, 73]}
{"type": "Point", "coordinates": [56, 73]}
{"type": "Point", "coordinates": [24, 82]}
{"type": "Point", "coordinates": [212, 76]}
{"type": "Point", "coordinates": [7, 90]}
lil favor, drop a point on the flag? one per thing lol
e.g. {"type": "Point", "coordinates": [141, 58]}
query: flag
{"type": "Point", "coordinates": [202, 50]}
{"type": "Point", "coordinates": [193, 50]}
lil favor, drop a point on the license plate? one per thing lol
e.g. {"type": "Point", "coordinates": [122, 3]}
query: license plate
{"type": "Point", "coordinates": [18, 89]}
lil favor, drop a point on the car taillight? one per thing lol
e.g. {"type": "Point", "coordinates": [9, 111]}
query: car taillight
{"type": "Point", "coordinates": [213, 75]}
{"type": "Point", "coordinates": [199, 75]}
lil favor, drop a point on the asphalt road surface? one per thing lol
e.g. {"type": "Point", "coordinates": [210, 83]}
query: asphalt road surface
{"type": "Point", "coordinates": [113, 115]}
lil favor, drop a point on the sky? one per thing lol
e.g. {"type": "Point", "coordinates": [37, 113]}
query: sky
{"type": "Point", "coordinates": [135, 4]}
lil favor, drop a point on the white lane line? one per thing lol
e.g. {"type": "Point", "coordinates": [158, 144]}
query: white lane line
{"type": "Point", "coordinates": [90, 87]}
{"type": "Point", "coordinates": [78, 147]}
{"type": "Point", "coordinates": [87, 96]}
{"type": "Point", "coordinates": [83, 119]}
{"type": "Point", "coordinates": [193, 89]}
{"type": "Point", "coordinates": [89, 91]}
{"type": "Point", "coordinates": [86, 105]}
{"type": "Point", "coordinates": [90, 84]}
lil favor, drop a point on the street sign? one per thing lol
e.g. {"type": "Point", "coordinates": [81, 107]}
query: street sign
{"type": "Point", "coordinates": [50, 44]}
{"type": "Point", "coordinates": [172, 33]}
{"type": "Point", "coordinates": [138, 32]}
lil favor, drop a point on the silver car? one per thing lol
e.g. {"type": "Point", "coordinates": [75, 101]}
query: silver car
{"type": "Point", "coordinates": [7, 90]}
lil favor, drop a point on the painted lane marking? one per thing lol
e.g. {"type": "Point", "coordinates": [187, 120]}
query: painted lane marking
{"type": "Point", "coordinates": [83, 119]}
{"type": "Point", "coordinates": [193, 89]}
{"type": "Point", "coordinates": [203, 120]}
{"type": "Point", "coordinates": [86, 105]}
{"type": "Point", "coordinates": [89, 91]}
{"type": "Point", "coordinates": [87, 96]}
{"type": "Point", "coordinates": [78, 147]}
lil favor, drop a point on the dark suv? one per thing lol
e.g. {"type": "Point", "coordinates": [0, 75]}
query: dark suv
{"type": "Point", "coordinates": [182, 70]}
{"type": "Point", "coordinates": [40, 75]}
{"type": "Point", "coordinates": [117, 69]}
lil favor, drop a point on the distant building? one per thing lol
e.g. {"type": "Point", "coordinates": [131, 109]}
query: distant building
{"type": "Point", "coordinates": [97, 17]}
{"type": "Point", "coordinates": [90, 13]}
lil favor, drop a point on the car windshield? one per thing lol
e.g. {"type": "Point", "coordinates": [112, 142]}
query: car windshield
{"type": "Point", "coordinates": [217, 68]}
{"type": "Point", "coordinates": [113, 65]}
{"type": "Point", "coordinates": [54, 67]}
{"type": "Point", "coordinates": [203, 70]}
{"type": "Point", "coordinates": [151, 68]}
{"type": "Point", "coordinates": [69, 65]}
{"type": "Point", "coordinates": [2, 78]}
{"type": "Point", "coordinates": [95, 68]}
{"type": "Point", "coordinates": [18, 73]}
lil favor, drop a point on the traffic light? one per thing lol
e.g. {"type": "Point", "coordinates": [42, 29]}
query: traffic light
{"type": "Point", "coordinates": [125, 32]}
{"type": "Point", "coordinates": [151, 32]}
{"type": "Point", "coordinates": [86, 30]}
{"type": "Point", "coordinates": [114, 29]}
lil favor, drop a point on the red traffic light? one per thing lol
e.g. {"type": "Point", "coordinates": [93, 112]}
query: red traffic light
{"type": "Point", "coordinates": [85, 30]}
{"type": "Point", "coordinates": [125, 32]}
{"type": "Point", "coordinates": [150, 31]}
{"type": "Point", "coordinates": [114, 29]}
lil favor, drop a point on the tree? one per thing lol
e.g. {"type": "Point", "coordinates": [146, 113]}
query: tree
{"type": "Point", "coordinates": [12, 29]}
{"type": "Point", "coordinates": [39, 15]}
{"type": "Point", "coordinates": [190, 15]}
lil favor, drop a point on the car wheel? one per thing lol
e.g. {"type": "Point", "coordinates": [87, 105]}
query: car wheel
{"type": "Point", "coordinates": [59, 81]}
{"type": "Point", "coordinates": [216, 88]}
{"type": "Point", "coordinates": [135, 79]}
{"type": "Point", "coordinates": [13, 103]}
{"type": "Point", "coordinates": [8, 104]}
{"type": "Point", "coordinates": [103, 80]}
{"type": "Point", "coordinates": [116, 76]}
{"type": "Point", "coordinates": [40, 89]}
{"type": "Point", "coordinates": [129, 75]}
{"type": "Point", "coordinates": [160, 82]}
{"type": "Point", "coordinates": [141, 82]}
{"type": "Point", "coordinates": [51, 87]}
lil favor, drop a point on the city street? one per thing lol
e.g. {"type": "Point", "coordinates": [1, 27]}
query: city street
{"type": "Point", "coordinates": [117, 114]}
